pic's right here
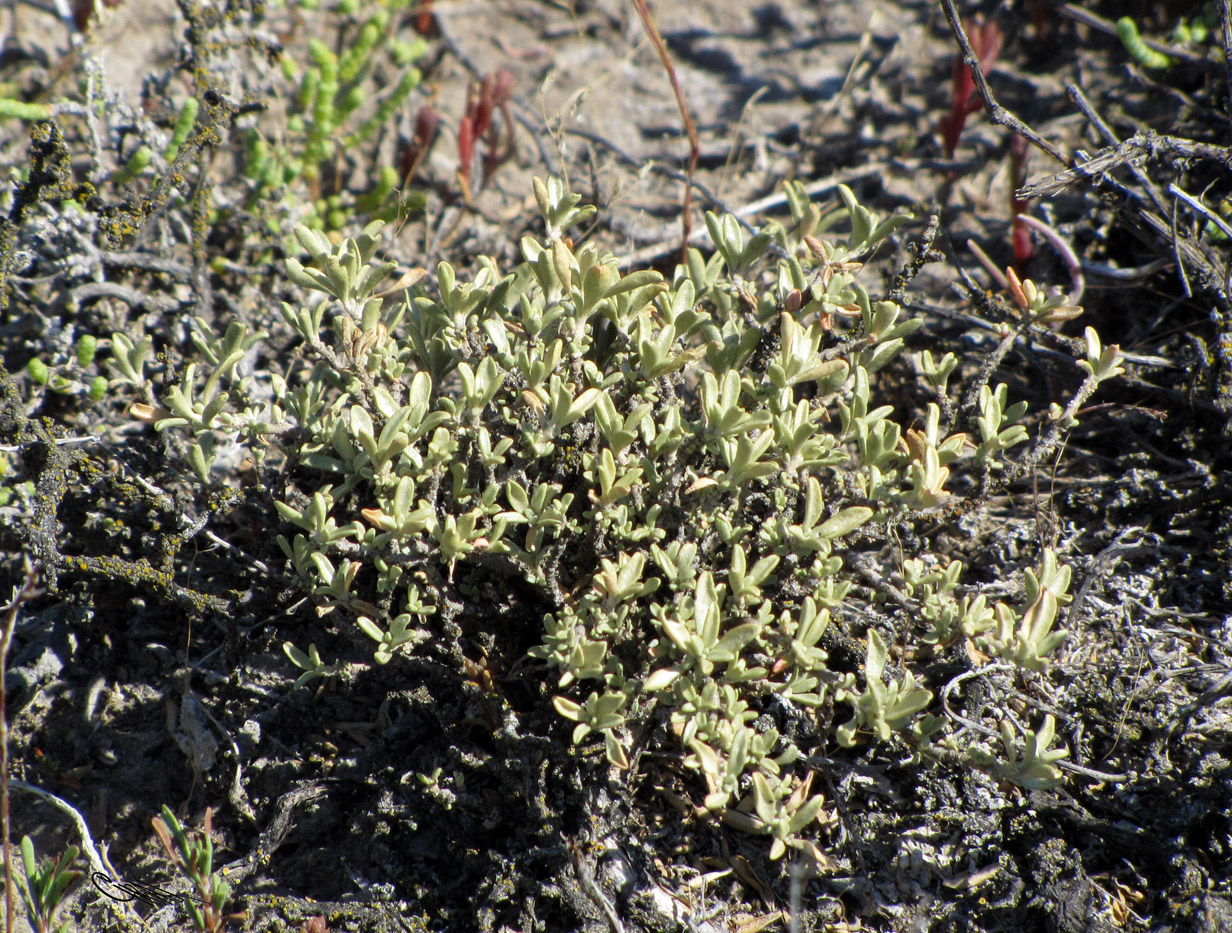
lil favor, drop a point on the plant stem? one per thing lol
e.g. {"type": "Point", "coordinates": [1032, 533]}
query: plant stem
{"type": "Point", "coordinates": [28, 590]}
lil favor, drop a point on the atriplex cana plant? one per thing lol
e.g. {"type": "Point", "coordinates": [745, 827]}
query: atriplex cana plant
{"type": "Point", "coordinates": [681, 470]}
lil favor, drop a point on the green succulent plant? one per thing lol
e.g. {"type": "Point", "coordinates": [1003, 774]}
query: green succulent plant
{"type": "Point", "coordinates": [678, 468]}
{"type": "Point", "coordinates": [46, 885]}
{"type": "Point", "coordinates": [192, 853]}
{"type": "Point", "coordinates": [69, 375]}
{"type": "Point", "coordinates": [334, 105]}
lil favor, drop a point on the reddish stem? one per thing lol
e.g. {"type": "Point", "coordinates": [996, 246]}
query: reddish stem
{"type": "Point", "coordinates": [986, 40]}
{"type": "Point", "coordinates": [1020, 235]}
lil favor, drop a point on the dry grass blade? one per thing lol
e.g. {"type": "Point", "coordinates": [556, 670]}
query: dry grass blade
{"type": "Point", "coordinates": [652, 31]}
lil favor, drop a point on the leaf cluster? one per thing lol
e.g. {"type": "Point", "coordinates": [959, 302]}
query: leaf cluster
{"type": "Point", "coordinates": [682, 468]}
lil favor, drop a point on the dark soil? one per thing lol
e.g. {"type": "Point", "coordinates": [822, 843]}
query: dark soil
{"type": "Point", "coordinates": [169, 686]}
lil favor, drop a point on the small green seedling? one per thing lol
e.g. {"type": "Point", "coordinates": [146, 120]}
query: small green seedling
{"type": "Point", "coordinates": [193, 855]}
{"type": "Point", "coordinates": [1144, 55]}
{"type": "Point", "coordinates": [46, 885]}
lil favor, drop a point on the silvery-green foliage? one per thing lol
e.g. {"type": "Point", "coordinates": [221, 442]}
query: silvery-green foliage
{"type": "Point", "coordinates": [1029, 762]}
{"type": "Point", "coordinates": [309, 662]}
{"type": "Point", "coordinates": [129, 359]}
{"type": "Point", "coordinates": [881, 707]}
{"type": "Point", "coordinates": [679, 468]}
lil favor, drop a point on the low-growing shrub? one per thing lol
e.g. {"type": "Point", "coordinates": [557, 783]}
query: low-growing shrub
{"type": "Point", "coordinates": [686, 476]}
